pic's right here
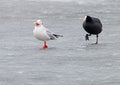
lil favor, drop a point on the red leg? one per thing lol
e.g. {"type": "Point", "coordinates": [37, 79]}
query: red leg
{"type": "Point", "coordinates": [45, 46]}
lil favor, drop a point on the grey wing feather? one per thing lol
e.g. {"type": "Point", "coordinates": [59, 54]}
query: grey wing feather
{"type": "Point", "coordinates": [52, 37]}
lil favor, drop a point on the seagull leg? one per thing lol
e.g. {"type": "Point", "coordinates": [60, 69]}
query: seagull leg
{"type": "Point", "coordinates": [96, 39]}
{"type": "Point", "coordinates": [45, 46]}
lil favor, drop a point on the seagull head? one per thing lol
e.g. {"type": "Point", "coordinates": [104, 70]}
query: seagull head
{"type": "Point", "coordinates": [38, 23]}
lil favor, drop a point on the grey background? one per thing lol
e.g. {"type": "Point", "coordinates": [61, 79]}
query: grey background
{"type": "Point", "coordinates": [69, 60]}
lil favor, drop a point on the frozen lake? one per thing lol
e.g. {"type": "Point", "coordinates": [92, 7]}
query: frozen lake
{"type": "Point", "coordinates": [69, 60]}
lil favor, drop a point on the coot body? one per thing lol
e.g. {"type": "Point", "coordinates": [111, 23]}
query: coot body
{"type": "Point", "coordinates": [93, 26]}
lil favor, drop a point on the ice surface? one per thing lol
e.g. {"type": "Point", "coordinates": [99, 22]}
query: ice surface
{"type": "Point", "coordinates": [69, 60]}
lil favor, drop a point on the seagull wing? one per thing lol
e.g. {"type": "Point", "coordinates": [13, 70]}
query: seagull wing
{"type": "Point", "coordinates": [50, 34]}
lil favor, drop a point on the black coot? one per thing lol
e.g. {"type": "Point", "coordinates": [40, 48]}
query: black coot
{"type": "Point", "coordinates": [93, 26]}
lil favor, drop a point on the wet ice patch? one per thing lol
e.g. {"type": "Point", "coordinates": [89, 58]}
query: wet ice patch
{"type": "Point", "coordinates": [20, 72]}
{"type": "Point", "coordinates": [73, 1]}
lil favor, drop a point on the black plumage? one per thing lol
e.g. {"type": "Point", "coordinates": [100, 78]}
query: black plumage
{"type": "Point", "coordinates": [92, 26]}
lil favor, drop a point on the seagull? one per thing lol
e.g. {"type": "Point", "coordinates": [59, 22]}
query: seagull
{"type": "Point", "coordinates": [43, 34]}
{"type": "Point", "coordinates": [92, 26]}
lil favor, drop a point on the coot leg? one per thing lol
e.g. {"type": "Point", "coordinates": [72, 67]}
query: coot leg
{"type": "Point", "coordinates": [87, 36]}
{"type": "Point", "coordinates": [96, 39]}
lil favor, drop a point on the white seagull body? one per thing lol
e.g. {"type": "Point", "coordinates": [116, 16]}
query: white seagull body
{"type": "Point", "coordinates": [43, 34]}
